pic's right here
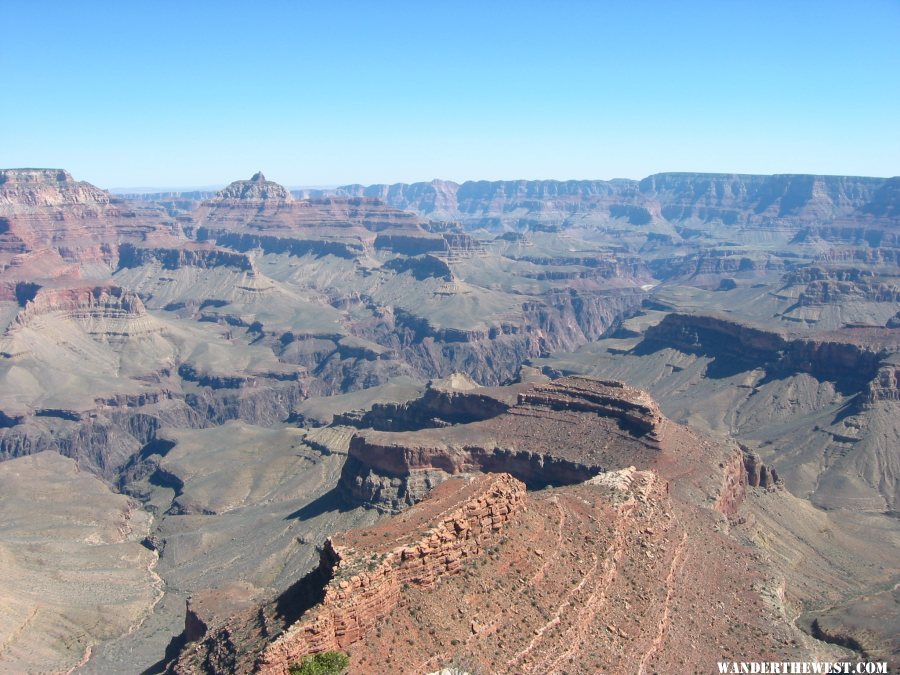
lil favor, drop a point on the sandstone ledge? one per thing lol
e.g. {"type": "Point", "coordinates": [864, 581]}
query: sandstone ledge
{"type": "Point", "coordinates": [461, 519]}
{"type": "Point", "coordinates": [364, 573]}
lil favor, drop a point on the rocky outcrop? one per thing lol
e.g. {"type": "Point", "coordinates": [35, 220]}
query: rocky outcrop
{"type": "Point", "coordinates": [262, 206]}
{"type": "Point", "coordinates": [557, 320]}
{"type": "Point", "coordinates": [713, 263]}
{"type": "Point", "coordinates": [257, 189]}
{"type": "Point", "coordinates": [633, 408]}
{"type": "Point", "coordinates": [454, 400]}
{"type": "Point", "coordinates": [885, 386]}
{"type": "Point", "coordinates": [410, 244]}
{"type": "Point", "coordinates": [107, 313]}
{"type": "Point", "coordinates": [852, 233]}
{"type": "Point", "coordinates": [53, 226]}
{"type": "Point", "coordinates": [836, 357]}
{"type": "Point", "coordinates": [46, 187]}
{"type": "Point", "coordinates": [184, 256]}
{"type": "Point", "coordinates": [361, 576]}
{"type": "Point", "coordinates": [837, 285]}
{"type": "Point", "coordinates": [744, 470]}
{"type": "Point", "coordinates": [36, 300]}
{"type": "Point", "coordinates": [421, 267]}
{"type": "Point", "coordinates": [558, 433]}
{"type": "Point", "coordinates": [295, 246]}
{"type": "Point", "coordinates": [837, 292]}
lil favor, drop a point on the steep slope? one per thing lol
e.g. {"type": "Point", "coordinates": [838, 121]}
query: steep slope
{"type": "Point", "coordinates": [633, 566]}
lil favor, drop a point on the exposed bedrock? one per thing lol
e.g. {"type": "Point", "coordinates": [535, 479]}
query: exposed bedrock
{"type": "Point", "coordinates": [455, 400]}
{"type": "Point", "coordinates": [827, 292]}
{"type": "Point", "coordinates": [744, 469]}
{"type": "Point", "coordinates": [107, 438]}
{"type": "Point", "coordinates": [96, 302]}
{"type": "Point", "coordinates": [852, 234]}
{"type": "Point", "coordinates": [634, 409]}
{"type": "Point", "coordinates": [421, 267]}
{"type": "Point", "coordinates": [371, 484]}
{"type": "Point", "coordinates": [885, 386]}
{"type": "Point", "coordinates": [732, 199]}
{"type": "Point", "coordinates": [558, 433]}
{"type": "Point", "coordinates": [54, 226]}
{"type": "Point", "coordinates": [558, 321]}
{"type": "Point", "coordinates": [714, 263]}
{"type": "Point", "coordinates": [411, 245]}
{"type": "Point", "coordinates": [739, 346]}
{"type": "Point", "coordinates": [103, 442]}
{"type": "Point", "coordinates": [839, 285]}
{"type": "Point", "coordinates": [290, 245]}
{"type": "Point", "coordinates": [46, 187]}
{"type": "Point", "coordinates": [185, 256]}
{"type": "Point", "coordinates": [257, 189]}
{"type": "Point", "coordinates": [359, 580]}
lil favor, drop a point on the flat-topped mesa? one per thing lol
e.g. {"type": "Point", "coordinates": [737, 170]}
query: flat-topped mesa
{"type": "Point", "coordinates": [792, 201]}
{"type": "Point", "coordinates": [105, 312]}
{"type": "Point", "coordinates": [558, 433]}
{"type": "Point", "coordinates": [257, 189]}
{"type": "Point", "coordinates": [78, 299]}
{"type": "Point", "coordinates": [46, 187]}
{"type": "Point", "coordinates": [52, 226]}
{"type": "Point", "coordinates": [608, 398]}
{"type": "Point", "coordinates": [361, 575]}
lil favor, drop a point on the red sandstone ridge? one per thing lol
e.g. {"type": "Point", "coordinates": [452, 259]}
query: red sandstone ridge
{"type": "Point", "coordinates": [366, 570]}
{"type": "Point", "coordinates": [619, 574]}
{"type": "Point", "coordinates": [630, 566]}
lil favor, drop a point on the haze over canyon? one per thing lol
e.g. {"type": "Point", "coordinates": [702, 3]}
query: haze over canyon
{"type": "Point", "coordinates": [499, 426]}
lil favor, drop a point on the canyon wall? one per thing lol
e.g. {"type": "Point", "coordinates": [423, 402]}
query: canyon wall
{"type": "Point", "coordinates": [784, 200]}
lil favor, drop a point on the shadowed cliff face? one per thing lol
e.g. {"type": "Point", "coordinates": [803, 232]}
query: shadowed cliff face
{"type": "Point", "coordinates": [850, 362]}
{"type": "Point", "coordinates": [558, 433]}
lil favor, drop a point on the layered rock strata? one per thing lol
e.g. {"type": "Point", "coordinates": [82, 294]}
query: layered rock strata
{"type": "Point", "coordinates": [364, 573]}
{"type": "Point", "coordinates": [852, 356]}
{"type": "Point", "coordinates": [732, 199]}
{"type": "Point", "coordinates": [558, 433]}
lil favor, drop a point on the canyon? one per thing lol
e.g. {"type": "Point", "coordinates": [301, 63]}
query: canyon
{"type": "Point", "coordinates": [511, 426]}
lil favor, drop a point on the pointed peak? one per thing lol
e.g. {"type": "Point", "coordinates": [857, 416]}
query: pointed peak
{"type": "Point", "coordinates": [257, 189]}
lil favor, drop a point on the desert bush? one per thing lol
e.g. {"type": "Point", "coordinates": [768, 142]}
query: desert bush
{"type": "Point", "coordinates": [324, 663]}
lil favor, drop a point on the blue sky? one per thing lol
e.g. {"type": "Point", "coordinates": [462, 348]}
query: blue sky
{"type": "Point", "coordinates": [185, 94]}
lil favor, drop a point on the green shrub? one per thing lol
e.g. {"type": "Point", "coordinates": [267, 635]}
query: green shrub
{"type": "Point", "coordinates": [324, 663]}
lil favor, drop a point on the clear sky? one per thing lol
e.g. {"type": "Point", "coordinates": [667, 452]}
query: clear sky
{"type": "Point", "coordinates": [128, 94]}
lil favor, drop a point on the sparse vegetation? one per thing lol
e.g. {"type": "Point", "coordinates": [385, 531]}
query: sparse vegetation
{"type": "Point", "coordinates": [324, 663]}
